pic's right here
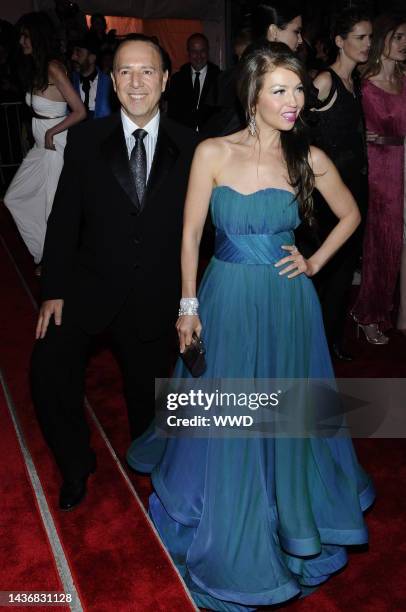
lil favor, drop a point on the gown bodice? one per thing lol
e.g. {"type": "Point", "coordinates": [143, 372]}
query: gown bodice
{"type": "Point", "coordinates": [51, 113]}
{"type": "Point", "coordinates": [384, 112]}
{"type": "Point", "coordinates": [50, 109]}
{"type": "Point", "coordinates": [251, 228]}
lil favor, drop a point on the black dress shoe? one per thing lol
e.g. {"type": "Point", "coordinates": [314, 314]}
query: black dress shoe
{"type": "Point", "coordinates": [339, 353]}
{"type": "Point", "coordinates": [73, 491]}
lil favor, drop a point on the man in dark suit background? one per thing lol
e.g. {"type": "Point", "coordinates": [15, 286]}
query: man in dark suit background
{"type": "Point", "coordinates": [190, 87]}
{"type": "Point", "coordinates": [112, 260]}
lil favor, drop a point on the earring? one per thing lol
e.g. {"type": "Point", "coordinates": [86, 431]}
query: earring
{"type": "Point", "coordinates": [252, 125]}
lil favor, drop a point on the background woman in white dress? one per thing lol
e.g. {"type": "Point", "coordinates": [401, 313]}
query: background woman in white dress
{"type": "Point", "coordinates": [49, 93]}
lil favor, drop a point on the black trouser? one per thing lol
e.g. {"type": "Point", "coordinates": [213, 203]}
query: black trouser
{"type": "Point", "coordinates": [334, 281]}
{"type": "Point", "coordinates": [333, 284]}
{"type": "Point", "coordinates": [58, 380]}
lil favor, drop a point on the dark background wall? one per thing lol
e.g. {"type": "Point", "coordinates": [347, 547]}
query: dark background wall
{"type": "Point", "coordinates": [240, 9]}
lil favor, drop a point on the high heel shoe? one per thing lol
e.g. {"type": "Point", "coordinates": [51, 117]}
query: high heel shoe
{"type": "Point", "coordinates": [337, 351]}
{"type": "Point", "coordinates": [353, 316]}
{"type": "Point", "coordinates": [372, 333]}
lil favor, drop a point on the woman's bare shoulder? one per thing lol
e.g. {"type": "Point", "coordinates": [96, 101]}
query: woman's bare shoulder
{"type": "Point", "coordinates": [56, 69]}
{"type": "Point", "coordinates": [216, 147]}
{"type": "Point", "coordinates": [323, 82]}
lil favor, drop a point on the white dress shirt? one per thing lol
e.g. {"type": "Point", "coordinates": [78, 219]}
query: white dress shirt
{"type": "Point", "coordinates": [202, 78]}
{"type": "Point", "coordinates": [149, 141]}
{"type": "Point", "coordinates": [92, 93]}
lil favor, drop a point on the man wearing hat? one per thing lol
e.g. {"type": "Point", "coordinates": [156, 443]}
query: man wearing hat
{"type": "Point", "coordinates": [93, 86]}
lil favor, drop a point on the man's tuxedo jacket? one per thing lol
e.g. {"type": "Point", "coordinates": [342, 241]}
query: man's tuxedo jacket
{"type": "Point", "coordinates": [103, 94]}
{"type": "Point", "coordinates": [180, 96]}
{"type": "Point", "coordinates": [101, 242]}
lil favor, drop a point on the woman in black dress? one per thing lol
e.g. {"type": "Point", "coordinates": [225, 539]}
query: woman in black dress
{"type": "Point", "coordinates": [339, 130]}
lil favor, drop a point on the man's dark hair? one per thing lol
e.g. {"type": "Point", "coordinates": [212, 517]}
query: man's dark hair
{"type": "Point", "coordinates": [152, 41]}
{"type": "Point", "coordinates": [88, 42]}
{"type": "Point", "coordinates": [197, 35]}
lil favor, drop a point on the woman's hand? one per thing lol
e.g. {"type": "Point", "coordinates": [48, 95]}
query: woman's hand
{"type": "Point", "coordinates": [371, 136]}
{"type": "Point", "coordinates": [298, 264]}
{"type": "Point", "coordinates": [186, 326]}
{"type": "Point", "coordinates": [49, 140]}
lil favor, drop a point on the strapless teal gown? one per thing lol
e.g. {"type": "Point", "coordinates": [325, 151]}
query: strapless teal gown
{"type": "Point", "coordinates": [253, 522]}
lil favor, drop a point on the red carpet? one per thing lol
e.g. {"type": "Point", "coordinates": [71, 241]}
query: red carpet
{"type": "Point", "coordinates": [111, 548]}
{"type": "Point", "coordinates": [373, 579]}
{"type": "Point", "coordinates": [26, 556]}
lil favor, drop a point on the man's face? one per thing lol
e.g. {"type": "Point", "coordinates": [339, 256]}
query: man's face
{"type": "Point", "coordinates": [139, 80]}
{"type": "Point", "coordinates": [198, 53]}
{"type": "Point", "coordinates": [82, 59]}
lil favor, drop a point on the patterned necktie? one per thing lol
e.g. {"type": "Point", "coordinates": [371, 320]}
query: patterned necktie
{"type": "Point", "coordinates": [196, 90]}
{"type": "Point", "coordinates": [138, 163]}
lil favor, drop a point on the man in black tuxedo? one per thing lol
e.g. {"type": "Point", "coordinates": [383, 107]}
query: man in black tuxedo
{"type": "Point", "coordinates": [189, 88]}
{"type": "Point", "coordinates": [112, 260]}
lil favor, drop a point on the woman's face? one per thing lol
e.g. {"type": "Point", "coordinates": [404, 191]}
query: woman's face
{"type": "Point", "coordinates": [395, 44]}
{"type": "Point", "coordinates": [280, 100]}
{"type": "Point", "coordinates": [291, 35]}
{"type": "Point", "coordinates": [25, 42]}
{"type": "Point", "coordinates": [357, 43]}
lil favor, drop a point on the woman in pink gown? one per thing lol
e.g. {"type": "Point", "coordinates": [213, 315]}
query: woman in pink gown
{"type": "Point", "coordinates": [384, 102]}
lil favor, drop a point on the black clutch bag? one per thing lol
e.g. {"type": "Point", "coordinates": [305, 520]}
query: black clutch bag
{"type": "Point", "coordinates": [193, 357]}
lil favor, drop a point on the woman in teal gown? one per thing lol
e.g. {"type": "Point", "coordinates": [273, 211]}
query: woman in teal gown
{"type": "Point", "coordinates": [257, 521]}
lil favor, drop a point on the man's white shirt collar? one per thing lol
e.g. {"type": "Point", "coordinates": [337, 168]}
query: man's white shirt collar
{"type": "Point", "coordinates": [129, 126]}
{"type": "Point", "coordinates": [202, 72]}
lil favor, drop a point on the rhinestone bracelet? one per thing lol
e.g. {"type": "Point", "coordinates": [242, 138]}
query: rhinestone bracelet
{"type": "Point", "coordinates": [189, 306]}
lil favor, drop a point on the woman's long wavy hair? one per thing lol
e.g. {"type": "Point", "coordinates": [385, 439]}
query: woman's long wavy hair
{"type": "Point", "coordinates": [257, 60]}
{"type": "Point", "coordinates": [274, 12]}
{"type": "Point", "coordinates": [34, 67]}
{"type": "Point", "coordinates": [383, 25]}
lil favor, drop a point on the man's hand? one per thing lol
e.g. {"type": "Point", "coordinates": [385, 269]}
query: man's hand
{"type": "Point", "coordinates": [48, 308]}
